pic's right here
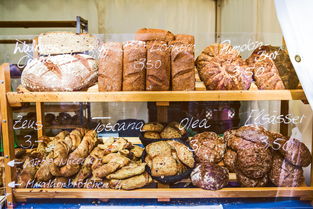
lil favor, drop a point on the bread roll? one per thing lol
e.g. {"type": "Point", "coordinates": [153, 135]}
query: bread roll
{"type": "Point", "coordinates": [110, 67]}
{"type": "Point", "coordinates": [182, 63]}
{"type": "Point", "coordinates": [60, 73]}
{"type": "Point", "coordinates": [150, 34]}
{"type": "Point", "coordinates": [158, 66]}
{"type": "Point", "coordinates": [54, 43]}
{"type": "Point", "coordinates": [134, 66]}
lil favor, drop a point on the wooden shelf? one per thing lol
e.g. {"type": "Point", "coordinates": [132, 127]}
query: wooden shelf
{"type": "Point", "coordinates": [156, 96]}
{"type": "Point", "coordinates": [52, 108]}
{"type": "Point", "coordinates": [303, 192]}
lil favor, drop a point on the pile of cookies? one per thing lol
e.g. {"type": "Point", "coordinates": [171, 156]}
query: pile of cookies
{"type": "Point", "coordinates": [159, 131]}
{"type": "Point", "coordinates": [168, 158]}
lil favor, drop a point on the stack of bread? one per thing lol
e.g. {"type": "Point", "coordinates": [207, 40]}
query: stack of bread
{"type": "Point", "coordinates": [154, 130]}
{"type": "Point", "coordinates": [156, 61]}
{"type": "Point", "coordinates": [78, 159]}
{"type": "Point", "coordinates": [61, 64]}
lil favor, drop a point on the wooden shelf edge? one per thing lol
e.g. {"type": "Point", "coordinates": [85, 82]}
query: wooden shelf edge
{"type": "Point", "coordinates": [166, 193]}
{"type": "Point", "coordinates": [156, 96]}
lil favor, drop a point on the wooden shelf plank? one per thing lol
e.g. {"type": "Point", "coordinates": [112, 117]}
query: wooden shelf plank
{"type": "Point", "coordinates": [166, 193]}
{"type": "Point", "coordinates": [52, 108]}
{"type": "Point", "coordinates": [156, 96]}
{"type": "Point", "coordinates": [37, 24]}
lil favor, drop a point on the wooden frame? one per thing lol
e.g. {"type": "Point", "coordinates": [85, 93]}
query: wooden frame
{"type": "Point", "coordinates": [162, 192]}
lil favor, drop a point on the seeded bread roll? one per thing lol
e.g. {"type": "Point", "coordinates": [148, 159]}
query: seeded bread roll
{"type": "Point", "coordinates": [150, 34]}
{"type": "Point", "coordinates": [134, 66]}
{"type": "Point", "coordinates": [158, 66]}
{"type": "Point", "coordinates": [182, 63]}
{"type": "Point", "coordinates": [110, 67]}
{"type": "Point", "coordinates": [55, 43]}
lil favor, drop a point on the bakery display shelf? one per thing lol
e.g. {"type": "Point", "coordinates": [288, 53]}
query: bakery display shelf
{"type": "Point", "coordinates": [159, 193]}
{"type": "Point", "coordinates": [156, 96]}
{"type": "Point", "coordinates": [52, 108]}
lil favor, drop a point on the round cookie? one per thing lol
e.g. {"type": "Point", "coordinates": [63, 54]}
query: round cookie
{"type": "Point", "coordinates": [209, 176]}
{"type": "Point", "coordinates": [208, 147]}
{"type": "Point", "coordinates": [284, 174]}
{"type": "Point", "coordinates": [254, 162]}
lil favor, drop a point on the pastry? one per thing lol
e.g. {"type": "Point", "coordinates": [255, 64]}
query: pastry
{"type": "Point", "coordinates": [151, 34]}
{"type": "Point", "coordinates": [169, 133]}
{"type": "Point", "coordinates": [284, 174]}
{"type": "Point", "coordinates": [133, 169]}
{"type": "Point", "coordinates": [220, 67]}
{"type": "Point", "coordinates": [153, 126]}
{"type": "Point", "coordinates": [158, 66]}
{"type": "Point", "coordinates": [296, 153]}
{"type": "Point", "coordinates": [208, 147]}
{"type": "Point", "coordinates": [131, 183]}
{"type": "Point", "coordinates": [134, 66]}
{"type": "Point", "coordinates": [163, 166]}
{"type": "Point", "coordinates": [110, 67]}
{"type": "Point", "coordinates": [54, 43]}
{"type": "Point", "coordinates": [152, 135]}
{"type": "Point", "coordinates": [158, 148]}
{"type": "Point", "coordinates": [184, 154]}
{"type": "Point", "coordinates": [210, 176]}
{"type": "Point", "coordinates": [60, 73]}
{"type": "Point", "coordinates": [182, 131]}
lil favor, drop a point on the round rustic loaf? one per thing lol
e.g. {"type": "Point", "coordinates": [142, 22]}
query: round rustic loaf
{"type": "Point", "coordinates": [250, 182]}
{"type": "Point", "coordinates": [208, 147]}
{"type": "Point", "coordinates": [256, 134]}
{"type": "Point", "coordinates": [60, 73]}
{"type": "Point", "coordinates": [209, 176]}
{"type": "Point", "coordinates": [296, 153]}
{"type": "Point", "coordinates": [230, 160]}
{"type": "Point", "coordinates": [220, 67]}
{"type": "Point", "coordinates": [284, 173]}
{"type": "Point", "coordinates": [254, 162]}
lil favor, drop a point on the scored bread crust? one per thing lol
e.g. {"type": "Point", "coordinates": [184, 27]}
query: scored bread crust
{"type": "Point", "coordinates": [151, 34]}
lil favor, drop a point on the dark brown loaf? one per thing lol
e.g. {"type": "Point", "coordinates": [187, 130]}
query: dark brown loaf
{"type": "Point", "coordinates": [158, 66]}
{"type": "Point", "coordinates": [230, 160]}
{"type": "Point", "coordinates": [110, 67]}
{"type": "Point", "coordinates": [250, 182]}
{"type": "Point", "coordinates": [60, 73]}
{"type": "Point", "coordinates": [134, 66]}
{"type": "Point", "coordinates": [150, 34]}
{"type": "Point", "coordinates": [182, 64]}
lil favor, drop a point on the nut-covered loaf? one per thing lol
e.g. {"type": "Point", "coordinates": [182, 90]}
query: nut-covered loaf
{"type": "Point", "coordinates": [158, 66]}
{"type": "Point", "coordinates": [285, 174]}
{"type": "Point", "coordinates": [209, 176]}
{"type": "Point", "coordinates": [254, 162]}
{"type": "Point", "coordinates": [230, 160]}
{"type": "Point", "coordinates": [134, 66]}
{"type": "Point", "coordinates": [182, 63]}
{"type": "Point", "coordinates": [296, 153]}
{"type": "Point", "coordinates": [151, 34]}
{"type": "Point", "coordinates": [208, 147]}
{"type": "Point", "coordinates": [220, 67]}
{"type": "Point", "coordinates": [272, 68]}
{"type": "Point", "coordinates": [60, 73]}
{"type": "Point", "coordinates": [110, 66]}
{"type": "Point", "coordinates": [54, 43]}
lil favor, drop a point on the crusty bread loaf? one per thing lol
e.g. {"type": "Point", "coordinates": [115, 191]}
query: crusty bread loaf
{"type": "Point", "coordinates": [110, 67]}
{"type": "Point", "coordinates": [53, 43]}
{"type": "Point", "coordinates": [182, 63]}
{"type": "Point", "coordinates": [60, 73]}
{"type": "Point", "coordinates": [158, 66]}
{"type": "Point", "coordinates": [134, 66]}
{"type": "Point", "coordinates": [150, 34]}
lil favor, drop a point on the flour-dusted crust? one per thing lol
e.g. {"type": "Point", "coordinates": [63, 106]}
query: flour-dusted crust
{"type": "Point", "coordinates": [250, 182]}
{"type": "Point", "coordinates": [55, 43]}
{"type": "Point", "coordinates": [210, 176]}
{"type": "Point", "coordinates": [230, 160]}
{"type": "Point", "coordinates": [220, 67]}
{"type": "Point", "coordinates": [208, 147]}
{"type": "Point", "coordinates": [284, 174]}
{"type": "Point", "coordinates": [60, 73]}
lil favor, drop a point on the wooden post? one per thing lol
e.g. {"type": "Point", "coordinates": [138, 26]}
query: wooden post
{"type": "Point", "coordinates": [7, 131]}
{"type": "Point", "coordinates": [218, 20]}
{"type": "Point", "coordinates": [40, 117]}
{"type": "Point", "coordinates": [284, 110]}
